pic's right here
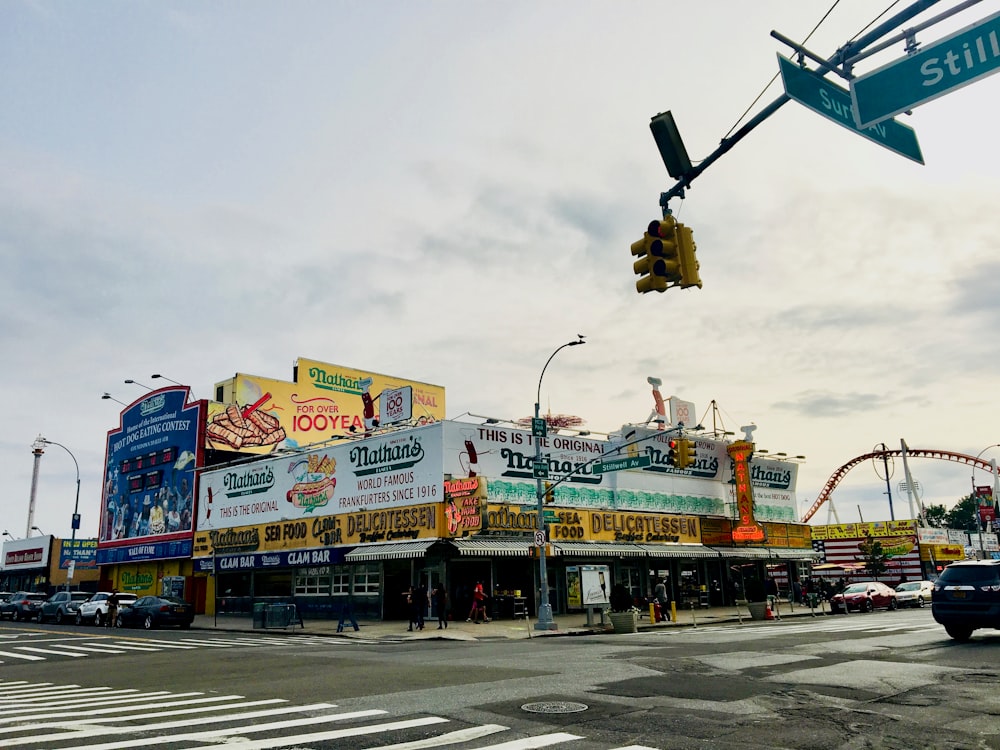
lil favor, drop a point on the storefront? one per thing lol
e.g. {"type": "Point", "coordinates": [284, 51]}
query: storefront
{"type": "Point", "coordinates": [26, 564]}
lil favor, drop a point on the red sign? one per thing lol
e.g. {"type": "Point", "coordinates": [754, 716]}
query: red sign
{"type": "Point", "coordinates": [748, 529]}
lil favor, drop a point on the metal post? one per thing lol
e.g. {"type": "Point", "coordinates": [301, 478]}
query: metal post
{"type": "Point", "coordinates": [75, 523]}
{"type": "Point", "coordinates": [545, 621]}
{"type": "Point", "coordinates": [37, 449]}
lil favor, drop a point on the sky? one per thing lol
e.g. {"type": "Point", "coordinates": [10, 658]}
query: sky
{"type": "Point", "coordinates": [447, 191]}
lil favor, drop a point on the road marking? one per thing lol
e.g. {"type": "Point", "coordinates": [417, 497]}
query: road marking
{"type": "Point", "coordinates": [449, 738]}
{"type": "Point", "coordinates": [97, 649]}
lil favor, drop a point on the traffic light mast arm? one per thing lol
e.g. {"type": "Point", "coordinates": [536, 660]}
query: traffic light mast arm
{"type": "Point", "coordinates": [618, 448]}
{"type": "Point", "coordinates": [848, 51]}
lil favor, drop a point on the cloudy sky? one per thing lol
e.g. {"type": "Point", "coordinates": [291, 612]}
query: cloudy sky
{"type": "Point", "coordinates": [447, 191]}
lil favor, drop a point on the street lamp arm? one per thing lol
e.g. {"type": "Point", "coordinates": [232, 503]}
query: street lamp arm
{"type": "Point", "coordinates": [538, 396]}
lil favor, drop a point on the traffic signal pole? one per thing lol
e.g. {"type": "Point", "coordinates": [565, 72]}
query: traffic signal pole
{"type": "Point", "coordinates": [848, 51]}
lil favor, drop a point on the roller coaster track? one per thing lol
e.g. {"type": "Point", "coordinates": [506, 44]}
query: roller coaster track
{"type": "Point", "coordinates": [834, 480]}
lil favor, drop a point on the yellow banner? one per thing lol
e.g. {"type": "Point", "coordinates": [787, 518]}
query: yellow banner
{"type": "Point", "coordinates": [861, 530]}
{"type": "Point", "coordinates": [390, 524]}
{"type": "Point", "coordinates": [258, 415]}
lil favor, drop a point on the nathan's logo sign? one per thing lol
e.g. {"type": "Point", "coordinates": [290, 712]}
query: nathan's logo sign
{"type": "Point", "coordinates": [335, 381]}
{"type": "Point", "coordinates": [136, 581]}
{"type": "Point", "coordinates": [249, 482]}
{"type": "Point", "coordinates": [152, 405]}
{"type": "Point", "coordinates": [770, 477]}
{"type": "Point", "coordinates": [520, 465]}
{"type": "Point", "coordinates": [395, 456]}
{"type": "Point", "coordinates": [234, 540]}
{"type": "Point", "coordinates": [659, 462]}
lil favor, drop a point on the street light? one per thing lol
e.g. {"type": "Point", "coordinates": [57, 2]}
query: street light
{"type": "Point", "coordinates": [109, 396]}
{"type": "Point", "coordinates": [545, 621]}
{"type": "Point", "coordinates": [75, 524]}
{"type": "Point", "coordinates": [157, 375]}
{"type": "Point", "coordinates": [7, 533]}
{"type": "Point", "coordinates": [136, 382]}
{"type": "Point", "coordinates": [40, 532]}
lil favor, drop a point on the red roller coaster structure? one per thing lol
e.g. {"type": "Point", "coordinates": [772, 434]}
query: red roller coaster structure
{"type": "Point", "coordinates": [839, 474]}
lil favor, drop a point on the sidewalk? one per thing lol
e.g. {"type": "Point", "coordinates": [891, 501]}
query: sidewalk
{"type": "Point", "coordinates": [567, 624]}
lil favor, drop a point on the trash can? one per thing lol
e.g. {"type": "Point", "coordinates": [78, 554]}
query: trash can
{"type": "Point", "coordinates": [813, 600]}
{"type": "Point", "coordinates": [259, 611]}
{"type": "Point", "coordinates": [758, 610]}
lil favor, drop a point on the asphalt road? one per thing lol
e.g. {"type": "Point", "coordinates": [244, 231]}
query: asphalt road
{"type": "Point", "coordinates": [881, 680]}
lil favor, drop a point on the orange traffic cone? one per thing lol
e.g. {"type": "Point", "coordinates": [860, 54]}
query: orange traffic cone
{"type": "Point", "coordinates": [768, 614]}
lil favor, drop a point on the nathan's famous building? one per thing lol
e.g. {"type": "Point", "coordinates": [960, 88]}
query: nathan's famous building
{"type": "Point", "coordinates": [343, 488]}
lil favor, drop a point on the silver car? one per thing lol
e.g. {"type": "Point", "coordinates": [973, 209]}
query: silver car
{"type": "Point", "coordinates": [914, 593]}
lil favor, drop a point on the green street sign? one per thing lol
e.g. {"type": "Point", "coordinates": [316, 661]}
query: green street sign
{"type": "Point", "coordinates": [549, 516]}
{"type": "Point", "coordinates": [932, 71]}
{"type": "Point", "coordinates": [539, 427]}
{"type": "Point", "coordinates": [818, 94]}
{"type": "Point", "coordinates": [540, 470]}
{"type": "Point", "coordinates": [620, 464]}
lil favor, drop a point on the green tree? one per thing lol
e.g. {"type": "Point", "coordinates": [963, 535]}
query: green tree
{"type": "Point", "coordinates": [874, 557]}
{"type": "Point", "coordinates": [964, 514]}
{"type": "Point", "coordinates": [935, 516]}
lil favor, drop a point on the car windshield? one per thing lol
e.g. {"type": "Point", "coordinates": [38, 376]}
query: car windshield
{"type": "Point", "coordinates": [856, 588]}
{"type": "Point", "coordinates": [908, 587]}
{"type": "Point", "coordinates": [972, 575]}
{"type": "Point", "coordinates": [80, 596]}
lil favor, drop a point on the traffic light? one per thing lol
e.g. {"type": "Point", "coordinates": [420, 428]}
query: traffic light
{"type": "Point", "coordinates": [658, 263]}
{"type": "Point", "coordinates": [550, 494]}
{"type": "Point", "coordinates": [674, 454]}
{"type": "Point", "coordinates": [686, 453]}
{"type": "Point", "coordinates": [686, 250]}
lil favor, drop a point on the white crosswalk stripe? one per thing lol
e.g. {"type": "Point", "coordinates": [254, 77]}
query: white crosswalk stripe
{"type": "Point", "coordinates": [208, 722]}
{"type": "Point", "coordinates": [71, 647]}
{"type": "Point", "coordinates": [849, 623]}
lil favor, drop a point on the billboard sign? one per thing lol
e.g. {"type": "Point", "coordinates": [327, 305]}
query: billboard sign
{"type": "Point", "coordinates": [147, 506]}
{"type": "Point", "coordinates": [26, 554]}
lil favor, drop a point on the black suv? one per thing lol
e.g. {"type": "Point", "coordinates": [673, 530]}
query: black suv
{"type": "Point", "coordinates": [967, 597]}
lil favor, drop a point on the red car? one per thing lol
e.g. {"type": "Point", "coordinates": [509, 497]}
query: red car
{"type": "Point", "coordinates": [863, 597]}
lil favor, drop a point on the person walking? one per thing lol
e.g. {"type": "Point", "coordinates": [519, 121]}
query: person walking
{"type": "Point", "coordinates": [112, 609]}
{"type": "Point", "coordinates": [660, 594]}
{"type": "Point", "coordinates": [420, 603]}
{"type": "Point", "coordinates": [478, 605]}
{"type": "Point", "coordinates": [441, 602]}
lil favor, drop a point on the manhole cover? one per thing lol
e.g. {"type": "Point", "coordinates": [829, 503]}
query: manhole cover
{"type": "Point", "coordinates": [554, 707]}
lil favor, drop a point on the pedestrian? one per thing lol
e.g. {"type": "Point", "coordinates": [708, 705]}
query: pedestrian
{"type": "Point", "coordinates": [796, 592]}
{"type": "Point", "coordinates": [660, 594]}
{"type": "Point", "coordinates": [441, 602]}
{"type": "Point", "coordinates": [478, 605]}
{"type": "Point", "coordinates": [112, 609]}
{"type": "Point", "coordinates": [410, 608]}
{"type": "Point", "coordinates": [420, 602]}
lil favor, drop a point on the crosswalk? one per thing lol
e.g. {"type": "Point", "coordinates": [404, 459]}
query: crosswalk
{"type": "Point", "coordinates": [70, 717]}
{"type": "Point", "coordinates": [23, 648]}
{"type": "Point", "coordinates": [872, 624]}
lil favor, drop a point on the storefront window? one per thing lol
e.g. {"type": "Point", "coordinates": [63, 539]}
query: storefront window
{"type": "Point", "coordinates": [277, 583]}
{"type": "Point", "coordinates": [312, 581]}
{"type": "Point", "coordinates": [366, 579]}
{"type": "Point", "coordinates": [341, 580]}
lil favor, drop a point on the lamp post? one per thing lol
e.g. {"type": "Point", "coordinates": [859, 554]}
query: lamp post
{"type": "Point", "coordinates": [545, 621]}
{"type": "Point", "coordinates": [158, 375]}
{"type": "Point", "coordinates": [75, 524]}
{"type": "Point", "coordinates": [136, 382]}
{"type": "Point", "coordinates": [112, 398]}
{"type": "Point", "coordinates": [40, 532]}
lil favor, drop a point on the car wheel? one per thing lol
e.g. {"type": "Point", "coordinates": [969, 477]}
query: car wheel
{"type": "Point", "coordinates": [920, 602]}
{"type": "Point", "coordinates": [868, 606]}
{"type": "Point", "coordinates": [118, 622]}
{"type": "Point", "coordinates": [960, 633]}
{"type": "Point", "coordinates": [892, 604]}
{"type": "Point", "coordinates": [59, 617]}
{"type": "Point", "coordinates": [98, 620]}
{"type": "Point", "coordinates": [16, 617]}
{"type": "Point", "coordinates": [185, 626]}
{"type": "Point", "coordinates": [39, 619]}
{"type": "Point", "coordinates": [79, 619]}
{"type": "Point", "coordinates": [148, 622]}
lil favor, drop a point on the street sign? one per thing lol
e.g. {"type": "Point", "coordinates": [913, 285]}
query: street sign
{"type": "Point", "coordinates": [620, 464]}
{"type": "Point", "coordinates": [539, 538]}
{"type": "Point", "coordinates": [539, 427]}
{"type": "Point", "coordinates": [932, 71]}
{"type": "Point", "coordinates": [540, 470]}
{"type": "Point", "coordinates": [834, 103]}
{"type": "Point", "coordinates": [550, 516]}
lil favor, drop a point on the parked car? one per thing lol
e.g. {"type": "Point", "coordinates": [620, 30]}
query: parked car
{"type": "Point", "coordinates": [914, 593]}
{"type": "Point", "coordinates": [863, 597]}
{"type": "Point", "coordinates": [156, 611]}
{"type": "Point", "coordinates": [95, 609]}
{"type": "Point", "coordinates": [61, 606]}
{"type": "Point", "coordinates": [23, 605]}
{"type": "Point", "coordinates": [967, 597]}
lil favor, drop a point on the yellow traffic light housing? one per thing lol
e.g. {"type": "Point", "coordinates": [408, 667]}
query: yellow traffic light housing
{"type": "Point", "coordinates": [688, 259]}
{"type": "Point", "coordinates": [686, 453]}
{"type": "Point", "coordinates": [658, 262]}
{"type": "Point", "coordinates": [673, 453]}
{"type": "Point", "coordinates": [550, 494]}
